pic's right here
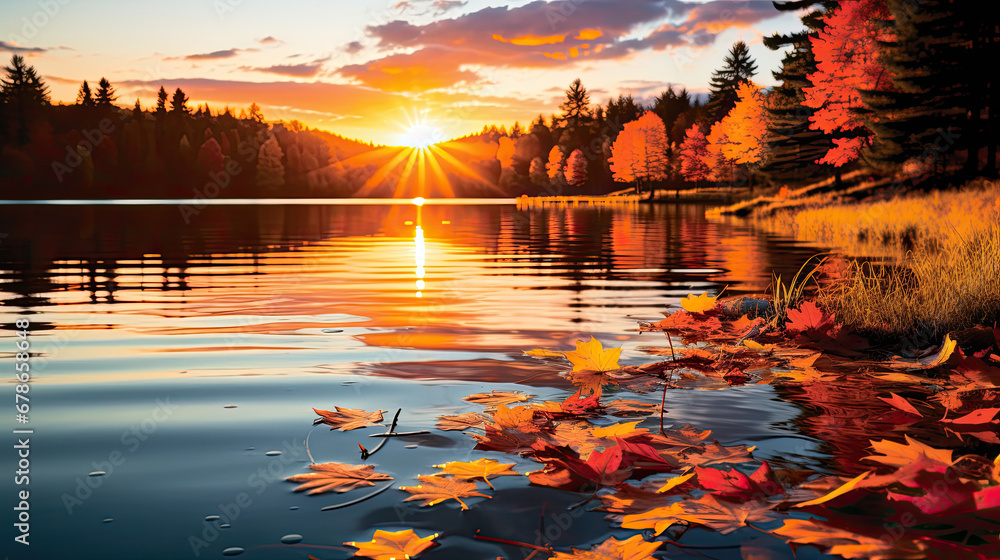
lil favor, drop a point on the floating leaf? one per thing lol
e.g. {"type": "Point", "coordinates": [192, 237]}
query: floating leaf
{"type": "Point", "coordinates": [659, 519]}
{"type": "Point", "coordinates": [900, 455]}
{"type": "Point", "coordinates": [847, 487]}
{"type": "Point", "coordinates": [337, 477]}
{"type": "Point", "coordinates": [981, 416]}
{"type": "Point", "coordinates": [393, 545]}
{"type": "Point", "coordinates": [435, 489]}
{"type": "Point", "coordinates": [497, 398]}
{"type": "Point", "coordinates": [900, 403]}
{"type": "Point", "coordinates": [634, 548]}
{"type": "Point", "coordinates": [345, 419]}
{"type": "Point", "coordinates": [591, 356]}
{"type": "Point", "coordinates": [460, 421]}
{"type": "Point", "coordinates": [809, 319]}
{"type": "Point", "coordinates": [480, 468]}
{"type": "Point", "coordinates": [698, 304]}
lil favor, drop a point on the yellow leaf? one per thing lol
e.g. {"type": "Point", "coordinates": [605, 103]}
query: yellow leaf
{"type": "Point", "coordinates": [847, 487]}
{"type": "Point", "coordinates": [754, 345]}
{"type": "Point", "coordinates": [698, 304]}
{"type": "Point", "coordinates": [675, 482]}
{"type": "Point", "coordinates": [393, 545]}
{"type": "Point", "coordinates": [622, 429]}
{"type": "Point", "coordinates": [480, 468]}
{"type": "Point", "coordinates": [543, 353]}
{"type": "Point", "coordinates": [947, 348]}
{"type": "Point", "coordinates": [591, 356]}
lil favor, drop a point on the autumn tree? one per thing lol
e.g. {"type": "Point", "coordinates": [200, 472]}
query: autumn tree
{"type": "Point", "coordinates": [254, 113]}
{"type": "Point", "coordinates": [270, 169]}
{"type": "Point", "coordinates": [746, 129]}
{"type": "Point", "coordinates": [847, 63]}
{"type": "Point", "coordinates": [537, 173]}
{"type": "Point", "coordinates": [505, 151]}
{"type": "Point", "coordinates": [639, 154]}
{"type": "Point", "coordinates": [84, 97]}
{"type": "Point", "coordinates": [576, 169]}
{"type": "Point", "coordinates": [105, 96]}
{"type": "Point", "coordinates": [554, 167]}
{"type": "Point", "coordinates": [694, 155]}
{"type": "Point", "coordinates": [739, 67]}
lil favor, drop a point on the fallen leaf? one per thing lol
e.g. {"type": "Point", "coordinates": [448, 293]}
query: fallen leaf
{"type": "Point", "coordinates": [675, 482]}
{"type": "Point", "coordinates": [698, 304]}
{"type": "Point", "coordinates": [659, 519]}
{"type": "Point", "coordinates": [628, 407]}
{"type": "Point", "coordinates": [847, 487]}
{"type": "Point", "coordinates": [497, 398]}
{"type": "Point", "coordinates": [392, 545]}
{"type": "Point", "coordinates": [845, 543]}
{"type": "Point", "coordinates": [435, 489]}
{"type": "Point", "coordinates": [981, 416]}
{"type": "Point", "coordinates": [460, 421]}
{"type": "Point", "coordinates": [345, 419]}
{"type": "Point", "coordinates": [480, 468]}
{"type": "Point", "coordinates": [900, 455]}
{"type": "Point", "coordinates": [942, 355]}
{"type": "Point", "coordinates": [591, 356]}
{"type": "Point", "coordinates": [337, 477]}
{"type": "Point", "coordinates": [809, 320]}
{"type": "Point", "coordinates": [900, 403]}
{"type": "Point", "coordinates": [633, 548]}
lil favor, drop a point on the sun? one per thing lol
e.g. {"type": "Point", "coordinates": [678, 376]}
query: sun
{"type": "Point", "coordinates": [421, 135]}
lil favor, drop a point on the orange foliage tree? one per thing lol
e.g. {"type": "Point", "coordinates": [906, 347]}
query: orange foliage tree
{"type": "Point", "coordinates": [847, 62]}
{"type": "Point", "coordinates": [693, 156]}
{"type": "Point", "coordinates": [639, 154]}
{"type": "Point", "coordinates": [741, 137]}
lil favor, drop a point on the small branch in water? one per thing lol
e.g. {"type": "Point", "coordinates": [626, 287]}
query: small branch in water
{"type": "Point", "coordinates": [663, 405]}
{"type": "Point", "coordinates": [365, 454]}
{"type": "Point", "coordinates": [359, 500]}
{"type": "Point", "coordinates": [584, 502]}
{"type": "Point", "coordinates": [400, 434]}
{"type": "Point", "coordinates": [309, 453]}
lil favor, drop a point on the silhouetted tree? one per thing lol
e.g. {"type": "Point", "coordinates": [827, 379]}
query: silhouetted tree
{"type": "Point", "coordinates": [739, 68]}
{"type": "Point", "coordinates": [23, 92]}
{"type": "Point", "coordinates": [105, 94]}
{"type": "Point", "coordinates": [178, 103]}
{"type": "Point", "coordinates": [161, 101]}
{"type": "Point", "coordinates": [84, 97]}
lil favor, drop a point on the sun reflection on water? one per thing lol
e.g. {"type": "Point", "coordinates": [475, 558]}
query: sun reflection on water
{"type": "Point", "coordinates": [419, 254]}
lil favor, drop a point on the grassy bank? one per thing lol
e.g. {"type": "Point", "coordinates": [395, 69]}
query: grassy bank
{"type": "Point", "coordinates": [941, 253]}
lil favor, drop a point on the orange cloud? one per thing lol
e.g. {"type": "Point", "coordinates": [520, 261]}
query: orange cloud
{"type": "Point", "coordinates": [531, 40]}
{"type": "Point", "coordinates": [589, 34]}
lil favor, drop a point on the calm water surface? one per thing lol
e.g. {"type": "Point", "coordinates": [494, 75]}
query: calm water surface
{"type": "Point", "coordinates": [149, 329]}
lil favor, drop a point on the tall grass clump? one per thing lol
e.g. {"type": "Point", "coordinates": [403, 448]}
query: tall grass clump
{"type": "Point", "coordinates": [927, 293]}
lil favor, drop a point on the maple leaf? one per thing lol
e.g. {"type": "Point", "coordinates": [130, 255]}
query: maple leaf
{"type": "Point", "coordinates": [337, 477]}
{"type": "Point", "coordinates": [659, 519]}
{"type": "Point", "coordinates": [633, 548]}
{"type": "Point", "coordinates": [345, 419]}
{"type": "Point", "coordinates": [809, 320]}
{"type": "Point", "coordinates": [628, 407]}
{"type": "Point", "coordinates": [900, 403]}
{"type": "Point", "coordinates": [845, 488]}
{"type": "Point", "coordinates": [495, 398]}
{"type": "Point", "coordinates": [845, 543]}
{"type": "Point", "coordinates": [520, 418]}
{"type": "Point", "coordinates": [435, 489]}
{"type": "Point", "coordinates": [480, 468]}
{"type": "Point", "coordinates": [899, 455]}
{"type": "Point", "coordinates": [460, 421]}
{"type": "Point", "coordinates": [698, 304]}
{"type": "Point", "coordinates": [591, 356]}
{"type": "Point", "coordinates": [392, 545]}
{"type": "Point", "coordinates": [736, 484]}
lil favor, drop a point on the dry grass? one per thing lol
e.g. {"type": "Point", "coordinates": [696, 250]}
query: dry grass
{"type": "Point", "coordinates": [928, 293]}
{"type": "Point", "coordinates": [917, 222]}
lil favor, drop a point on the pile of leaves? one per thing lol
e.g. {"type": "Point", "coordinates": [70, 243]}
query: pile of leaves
{"type": "Point", "coordinates": [894, 497]}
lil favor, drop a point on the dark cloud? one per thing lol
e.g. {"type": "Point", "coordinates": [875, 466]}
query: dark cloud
{"type": "Point", "coordinates": [269, 40]}
{"type": "Point", "coordinates": [544, 34]}
{"type": "Point", "coordinates": [354, 47]}
{"type": "Point", "coordinates": [303, 70]}
{"type": "Point", "coordinates": [216, 55]}
{"type": "Point", "coordinates": [11, 47]}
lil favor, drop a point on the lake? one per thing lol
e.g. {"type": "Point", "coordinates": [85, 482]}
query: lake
{"type": "Point", "coordinates": [178, 356]}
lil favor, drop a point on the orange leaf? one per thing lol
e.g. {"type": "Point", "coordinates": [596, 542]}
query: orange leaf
{"type": "Point", "coordinates": [634, 548]}
{"type": "Point", "coordinates": [391, 545]}
{"type": "Point", "coordinates": [345, 419]}
{"type": "Point", "coordinates": [899, 455]}
{"type": "Point", "coordinates": [460, 421]}
{"type": "Point", "coordinates": [480, 468]}
{"type": "Point", "coordinates": [901, 403]}
{"type": "Point", "coordinates": [497, 397]}
{"type": "Point", "coordinates": [337, 477]}
{"type": "Point", "coordinates": [698, 304]}
{"type": "Point", "coordinates": [981, 416]}
{"type": "Point", "coordinates": [847, 487]}
{"type": "Point", "coordinates": [435, 489]}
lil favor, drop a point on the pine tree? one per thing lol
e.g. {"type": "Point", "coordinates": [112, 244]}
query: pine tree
{"type": "Point", "coordinates": [794, 146]}
{"type": "Point", "coordinates": [577, 116]}
{"type": "Point", "coordinates": [137, 111]}
{"type": "Point", "coordinates": [178, 103]}
{"type": "Point", "coordinates": [670, 105]}
{"type": "Point", "coordinates": [620, 111]}
{"type": "Point", "coordinates": [739, 68]}
{"type": "Point", "coordinates": [105, 94]}
{"type": "Point", "coordinates": [161, 101]}
{"type": "Point", "coordinates": [84, 98]}
{"type": "Point", "coordinates": [24, 93]}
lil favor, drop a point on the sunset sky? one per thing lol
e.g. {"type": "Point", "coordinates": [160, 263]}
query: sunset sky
{"type": "Point", "coordinates": [371, 69]}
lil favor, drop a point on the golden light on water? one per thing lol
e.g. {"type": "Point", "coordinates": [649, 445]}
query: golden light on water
{"type": "Point", "coordinates": [419, 255]}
